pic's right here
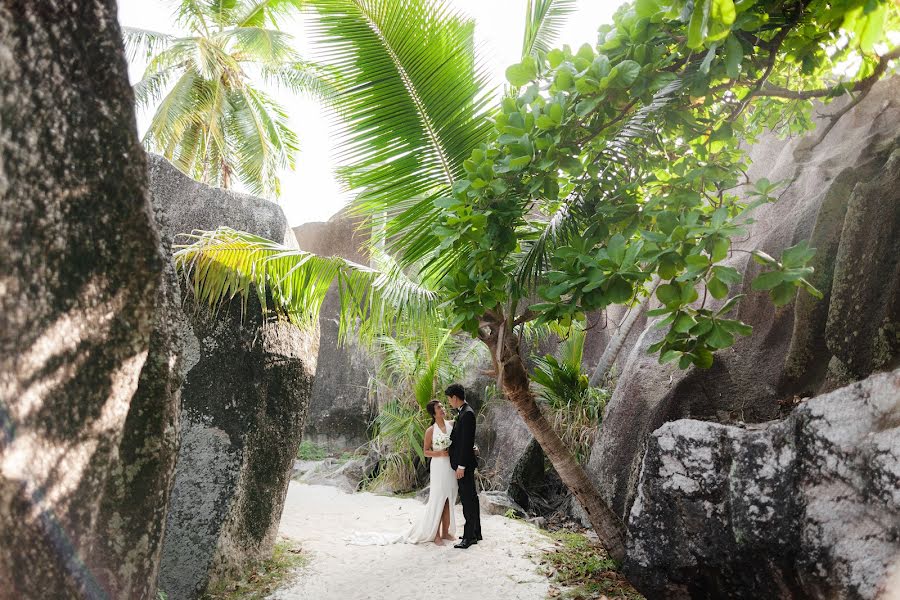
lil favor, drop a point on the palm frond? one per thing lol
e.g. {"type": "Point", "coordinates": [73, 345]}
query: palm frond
{"type": "Point", "coordinates": [262, 12]}
{"type": "Point", "coordinates": [144, 42]}
{"type": "Point", "coordinates": [414, 97]}
{"type": "Point", "coordinates": [259, 45]}
{"type": "Point", "coordinates": [175, 113]}
{"type": "Point", "coordinates": [224, 264]}
{"type": "Point", "coordinates": [544, 20]}
{"type": "Point", "coordinates": [300, 77]}
{"type": "Point", "coordinates": [617, 156]}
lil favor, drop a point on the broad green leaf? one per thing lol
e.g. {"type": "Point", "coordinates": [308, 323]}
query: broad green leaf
{"type": "Point", "coordinates": [697, 27]}
{"type": "Point", "coordinates": [668, 294]}
{"type": "Point", "coordinates": [719, 337]}
{"type": "Point", "coordinates": [767, 281]}
{"type": "Point", "coordinates": [522, 73]}
{"type": "Point", "coordinates": [718, 289]}
{"type": "Point", "coordinates": [734, 56]}
{"type": "Point", "coordinates": [616, 248]}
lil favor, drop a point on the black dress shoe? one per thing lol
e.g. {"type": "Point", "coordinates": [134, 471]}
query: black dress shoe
{"type": "Point", "coordinates": [465, 544]}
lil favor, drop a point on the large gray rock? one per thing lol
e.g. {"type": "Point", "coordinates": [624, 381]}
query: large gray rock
{"type": "Point", "coordinates": [79, 273]}
{"type": "Point", "coordinates": [340, 409]}
{"type": "Point", "coordinates": [843, 195]}
{"type": "Point", "coordinates": [136, 500]}
{"type": "Point", "coordinates": [807, 507]}
{"type": "Point", "coordinates": [247, 382]}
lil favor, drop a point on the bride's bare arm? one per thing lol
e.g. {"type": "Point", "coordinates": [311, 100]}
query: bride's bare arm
{"type": "Point", "coordinates": [427, 448]}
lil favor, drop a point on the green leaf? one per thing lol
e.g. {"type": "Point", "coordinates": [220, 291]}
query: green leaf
{"type": "Point", "coordinates": [697, 27]}
{"type": "Point", "coordinates": [668, 356]}
{"type": "Point", "coordinates": [783, 293]}
{"type": "Point", "coordinates": [646, 8]}
{"type": "Point", "coordinates": [720, 249]}
{"type": "Point", "coordinates": [719, 337]}
{"type": "Point", "coordinates": [669, 294]}
{"type": "Point", "coordinates": [728, 275]}
{"type": "Point", "coordinates": [729, 305]}
{"type": "Point", "coordinates": [767, 281]}
{"type": "Point", "coordinates": [683, 323]}
{"type": "Point", "coordinates": [628, 71]}
{"type": "Point", "coordinates": [718, 289]}
{"type": "Point", "coordinates": [522, 73]}
{"type": "Point", "coordinates": [707, 60]}
{"type": "Point", "coordinates": [797, 256]}
{"type": "Point", "coordinates": [734, 55]}
{"type": "Point", "coordinates": [736, 327]}
{"type": "Point", "coordinates": [723, 11]}
{"type": "Point", "coordinates": [619, 290]}
{"type": "Point", "coordinates": [616, 248]}
{"type": "Point", "coordinates": [703, 358]}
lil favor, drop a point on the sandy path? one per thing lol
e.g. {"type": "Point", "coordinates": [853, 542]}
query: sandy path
{"type": "Point", "coordinates": [320, 517]}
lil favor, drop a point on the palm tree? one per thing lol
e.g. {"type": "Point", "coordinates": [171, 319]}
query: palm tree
{"type": "Point", "coordinates": [212, 118]}
{"type": "Point", "coordinates": [414, 97]}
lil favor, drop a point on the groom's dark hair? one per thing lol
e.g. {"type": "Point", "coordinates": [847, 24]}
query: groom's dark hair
{"type": "Point", "coordinates": [455, 389]}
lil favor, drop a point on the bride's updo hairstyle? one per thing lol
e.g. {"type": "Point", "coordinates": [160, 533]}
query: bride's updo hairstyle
{"type": "Point", "coordinates": [430, 408]}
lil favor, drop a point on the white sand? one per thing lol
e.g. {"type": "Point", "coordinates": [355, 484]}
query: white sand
{"type": "Point", "coordinates": [320, 517]}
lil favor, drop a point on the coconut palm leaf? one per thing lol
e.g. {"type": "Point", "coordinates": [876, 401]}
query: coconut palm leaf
{"type": "Point", "coordinates": [413, 98]}
{"type": "Point", "coordinates": [211, 119]}
{"type": "Point", "coordinates": [144, 42]}
{"type": "Point", "coordinates": [544, 20]}
{"type": "Point", "coordinates": [224, 264]}
{"type": "Point", "coordinates": [263, 12]}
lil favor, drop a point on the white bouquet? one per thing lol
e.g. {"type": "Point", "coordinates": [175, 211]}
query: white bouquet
{"type": "Point", "coordinates": [440, 442]}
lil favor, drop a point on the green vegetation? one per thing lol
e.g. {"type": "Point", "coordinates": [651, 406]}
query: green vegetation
{"type": "Point", "coordinates": [412, 370]}
{"type": "Point", "coordinates": [263, 578]}
{"type": "Point", "coordinates": [213, 119]}
{"type": "Point", "coordinates": [602, 169]}
{"type": "Point", "coordinates": [311, 451]}
{"type": "Point", "coordinates": [584, 570]}
{"type": "Point", "coordinates": [575, 408]}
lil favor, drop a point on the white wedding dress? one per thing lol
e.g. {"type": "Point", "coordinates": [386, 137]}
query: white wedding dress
{"type": "Point", "coordinates": [443, 489]}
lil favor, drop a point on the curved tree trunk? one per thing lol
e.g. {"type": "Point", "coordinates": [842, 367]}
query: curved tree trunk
{"type": "Point", "coordinates": [508, 362]}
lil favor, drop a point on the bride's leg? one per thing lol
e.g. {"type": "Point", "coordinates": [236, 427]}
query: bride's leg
{"type": "Point", "coordinates": [445, 521]}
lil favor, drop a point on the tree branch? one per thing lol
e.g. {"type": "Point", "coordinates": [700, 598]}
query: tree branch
{"type": "Point", "coordinates": [861, 85]}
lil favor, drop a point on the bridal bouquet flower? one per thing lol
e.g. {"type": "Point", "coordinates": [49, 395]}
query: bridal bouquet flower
{"type": "Point", "coordinates": [440, 443]}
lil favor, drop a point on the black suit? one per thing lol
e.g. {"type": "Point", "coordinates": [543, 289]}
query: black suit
{"type": "Point", "coordinates": [462, 454]}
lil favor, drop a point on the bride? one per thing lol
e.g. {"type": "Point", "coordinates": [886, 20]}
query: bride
{"type": "Point", "coordinates": [438, 522]}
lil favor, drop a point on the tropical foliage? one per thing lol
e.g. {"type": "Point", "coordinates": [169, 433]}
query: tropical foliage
{"type": "Point", "coordinates": [213, 118]}
{"type": "Point", "coordinates": [612, 164]}
{"type": "Point", "coordinates": [575, 407]}
{"type": "Point", "coordinates": [412, 372]}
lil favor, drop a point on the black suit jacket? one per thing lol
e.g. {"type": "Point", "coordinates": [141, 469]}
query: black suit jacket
{"type": "Point", "coordinates": [462, 439]}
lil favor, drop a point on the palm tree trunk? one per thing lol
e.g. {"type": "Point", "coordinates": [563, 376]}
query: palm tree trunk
{"type": "Point", "coordinates": [608, 527]}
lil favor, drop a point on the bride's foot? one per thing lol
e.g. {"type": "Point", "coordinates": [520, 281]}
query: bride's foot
{"type": "Point", "coordinates": [447, 536]}
{"type": "Point", "coordinates": [438, 541]}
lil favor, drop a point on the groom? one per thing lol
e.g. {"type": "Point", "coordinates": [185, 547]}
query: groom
{"type": "Point", "coordinates": [462, 458]}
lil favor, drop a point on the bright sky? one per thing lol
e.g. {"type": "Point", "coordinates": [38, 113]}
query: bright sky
{"type": "Point", "coordinates": [311, 192]}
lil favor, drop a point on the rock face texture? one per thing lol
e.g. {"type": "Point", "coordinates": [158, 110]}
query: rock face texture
{"type": "Point", "coordinates": [247, 382]}
{"type": "Point", "coordinates": [339, 410]}
{"type": "Point", "coordinates": [136, 499]}
{"type": "Point", "coordinates": [843, 195]}
{"type": "Point", "coordinates": [807, 507]}
{"type": "Point", "coordinates": [80, 271]}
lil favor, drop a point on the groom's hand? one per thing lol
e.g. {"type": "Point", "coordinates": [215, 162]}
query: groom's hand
{"type": "Point", "coordinates": [460, 472]}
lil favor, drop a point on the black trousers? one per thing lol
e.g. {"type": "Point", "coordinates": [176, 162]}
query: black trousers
{"type": "Point", "coordinates": [471, 509]}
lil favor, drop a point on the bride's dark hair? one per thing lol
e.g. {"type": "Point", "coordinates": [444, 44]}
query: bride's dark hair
{"type": "Point", "coordinates": [430, 409]}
